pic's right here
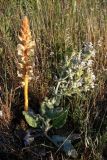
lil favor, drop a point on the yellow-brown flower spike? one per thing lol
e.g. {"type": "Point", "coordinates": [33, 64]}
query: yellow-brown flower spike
{"type": "Point", "coordinates": [25, 69]}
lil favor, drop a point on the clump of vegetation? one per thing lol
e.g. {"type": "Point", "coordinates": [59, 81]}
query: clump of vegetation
{"type": "Point", "coordinates": [75, 78]}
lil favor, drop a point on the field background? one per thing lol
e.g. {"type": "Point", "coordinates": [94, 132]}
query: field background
{"type": "Point", "coordinates": [58, 27]}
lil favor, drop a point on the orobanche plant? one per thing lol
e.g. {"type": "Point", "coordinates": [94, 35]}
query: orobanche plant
{"type": "Point", "coordinates": [25, 53]}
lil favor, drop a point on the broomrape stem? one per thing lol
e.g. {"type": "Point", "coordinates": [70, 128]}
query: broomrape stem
{"type": "Point", "coordinates": [26, 93]}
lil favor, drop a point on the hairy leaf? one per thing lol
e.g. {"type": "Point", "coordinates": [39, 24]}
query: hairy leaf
{"type": "Point", "coordinates": [60, 120]}
{"type": "Point", "coordinates": [53, 113]}
{"type": "Point", "coordinates": [32, 120]}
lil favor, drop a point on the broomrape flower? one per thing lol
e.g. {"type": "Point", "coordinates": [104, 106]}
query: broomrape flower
{"type": "Point", "coordinates": [19, 74]}
{"type": "Point", "coordinates": [21, 65]}
{"type": "Point", "coordinates": [20, 53]}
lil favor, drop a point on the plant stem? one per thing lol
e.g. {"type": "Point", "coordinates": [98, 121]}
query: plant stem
{"type": "Point", "coordinates": [26, 93]}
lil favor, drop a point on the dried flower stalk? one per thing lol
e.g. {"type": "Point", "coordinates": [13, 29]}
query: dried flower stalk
{"type": "Point", "coordinates": [25, 50]}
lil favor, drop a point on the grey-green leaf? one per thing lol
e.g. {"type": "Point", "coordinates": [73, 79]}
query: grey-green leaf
{"type": "Point", "coordinates": [32, 120]}
{"type": "Point", "coordinates": [54, 113]}
{"type": "Point", "coordinates": [60, 120]}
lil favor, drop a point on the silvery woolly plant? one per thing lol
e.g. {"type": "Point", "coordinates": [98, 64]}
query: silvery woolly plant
{"type": "Point", "coordinates": [76, 77]}
{"type": "Point", "coordinates": [76, 74]}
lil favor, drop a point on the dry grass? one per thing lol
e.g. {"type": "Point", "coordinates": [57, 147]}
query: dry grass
{"type": "Point", "coordinates": [6, 117]}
